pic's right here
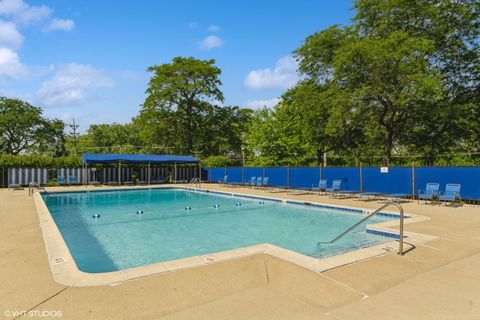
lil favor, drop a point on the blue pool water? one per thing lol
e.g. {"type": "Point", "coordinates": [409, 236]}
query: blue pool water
{"type": "Point", "coordinates": [121, 239]}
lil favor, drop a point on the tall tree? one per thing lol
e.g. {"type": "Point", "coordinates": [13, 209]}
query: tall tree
{"type": "Point", "coordinates": [180, 94]}
{"type": "Point", "coordinates": [23, 129]}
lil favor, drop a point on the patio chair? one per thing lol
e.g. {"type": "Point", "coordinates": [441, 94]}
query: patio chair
{"type": "Point", "coordinates": [61, 181]}
{"type": "Point", "coordinates": [15, 186]}
{"type": "Point", "coordinates": [336, 184]}
{"type": "Point", "coordinates": [452, 193]}
{"type": "Point", "coordinates": [265, 182]}
{"type": "Point", "coordinates": [72, 180]}
{"type": "Point", "coordinates": [430, 192]}
{"type": "Point", "coordinates": [372, 195]}
{"type": "Point", "coordinates": [322, 186]}
{"type": "Point", "coordinates": [157, 180]}
{"type": "Point", "coordinates": [253, 181]}
{"type": "Point", "coordinates": [225, 179]}
{"type": "Point", "coordinates": [397, 197]}
{"type": "Point", "coordinates": [259, 182]}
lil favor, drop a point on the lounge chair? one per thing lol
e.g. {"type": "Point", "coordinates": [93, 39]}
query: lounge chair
{"type": "Point", "coordinates": [141, 182]}
{"type": "Point", "coordinates": [15, 186]}
{"type": "Point", "coordinates": [430, 193]}
{"type": "Point", "coordinates": [158, 180]}
{"type": "Point", "coordinates": [322, 186]}
{"type": "Point", "coordinates": [72, 180]}
{"type": "Point", "coordinates": [112, 183]}
{"type": "Point", "coordinates": [335, 186]}
{"type": "Point", "coordinates": [265, 182]}
{"type": "Point", "coordinates": [452, 193]}
{"type": "Point", "coordinates": [224, 181]}
{"type": "Point", "coordinates": [94, 183]}
{"type": "Point", "coordinates": [128, 183]}
{"type": "Point", "coordinates": [253, 181]}
{"type": "Point", "coordinates": [397, 196]}
{"type": "Point", "coordinates": [61, 181]}
{"type": "Point", "coordinates": [371, 195]}
{"type": "Point", "coordinates": [259, 182]}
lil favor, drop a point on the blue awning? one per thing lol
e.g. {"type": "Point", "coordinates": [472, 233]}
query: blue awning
{"type": "Point", "coordinates": [136, 158]}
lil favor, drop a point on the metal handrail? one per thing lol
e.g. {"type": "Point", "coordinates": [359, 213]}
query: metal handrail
{"type": "Point", "coordinates": [371, 214]}
{"type": "Point", "coordinates": [31, 187]}
{"type": "Point", "coordinates": [195, 181]}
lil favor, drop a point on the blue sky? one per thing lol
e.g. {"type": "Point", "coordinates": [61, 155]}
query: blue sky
{"type": "Point", "coordinates": [88, 59]}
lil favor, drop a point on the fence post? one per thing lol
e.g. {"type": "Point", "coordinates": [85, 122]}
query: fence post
{"type": "Point", "coordinates": [288, 177]}
{"type": "Point", "coordinates": [361, 177]}
{"type": "Point", "coordinates": [413, 180]}
{"type": "Point", "coordinates": [243, 174]}
{"type": "Point", "coordinates": [263, 173]}
{"type": "Point", "coordinates": [224, 171]}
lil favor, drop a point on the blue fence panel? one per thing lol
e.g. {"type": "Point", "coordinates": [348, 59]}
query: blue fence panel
{"type": "Point", "coordinates": [277, 177]}
{"type": "Point", "coordinates": [304, 177]}
{"type": "Point", "coordinates": [397, 180]}
{"type": "Point", "coordinates": [468, 177]}
{"type": "Point", "coordinates": [350, 177]}
{"type": "Point", "coordinates": [216, 174]}
{"type": "Point", "coordinates": [234, 175]}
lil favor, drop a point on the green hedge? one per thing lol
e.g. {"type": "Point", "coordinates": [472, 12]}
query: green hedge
{"type": "Point", "coordinates": [8, 160]}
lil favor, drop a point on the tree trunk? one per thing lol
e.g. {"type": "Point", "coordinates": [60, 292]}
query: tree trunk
{"type": "Point", "coordinates": [387, 148]}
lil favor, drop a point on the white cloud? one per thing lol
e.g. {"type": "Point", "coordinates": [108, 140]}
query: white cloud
{"type": "Point", "coordinates": [61, 24]}
{"type": "Point", "coordinates": [9, 35]}
{"type": "Point", "coordinates": [22, 13]}
{"type": "Point", "coordinates": [71, 84]}
{"type": "Point", "coordinates": [211, 42]}
{"type": "Point", "coordinates": [257, 104]}
{"type": "Point", "coordinates": [10, 65]}
{"type": "Point", "coordinates": [213, 28]}
{"type": "Point", "coordinates": [284, 75]}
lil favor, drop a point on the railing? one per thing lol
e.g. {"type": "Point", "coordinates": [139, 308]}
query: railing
{"type": "Point", "coordinates": [34, 185]}
{"type": "Point", "coordinates": [194, 182]}
{"type": "Point", "coordinates": [388, 204]}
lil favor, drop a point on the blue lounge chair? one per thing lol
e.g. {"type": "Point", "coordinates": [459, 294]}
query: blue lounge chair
{"type": "Point", "coordinates": [430, 192]}
{"type": "Point", "coordinates": [225, 179]}
{"type": "Point", "coordinates": [336, 184]}
{"type": "Point", "coordinates": [322, 185]}
{"type": "Point", "coordinates": [253, 181]}
{"type": "Point", "coordinates": [265, 182]}
{"type": "Point", "coordinates": [452, 193]}
{"type": "Point", "coordinates": [61, 181]}
{"type": "Point", "coordinates": [72, 180]}
{"type": "Point", "coordinates": [397, 196]}
{"type": "Point", "coordinates": [259, 181]}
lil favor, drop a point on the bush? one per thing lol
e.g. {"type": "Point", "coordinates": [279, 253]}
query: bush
{"type": "Point", "coordinates": [216, 162]}
{"type": "Point", "coordinates": [8, 160]}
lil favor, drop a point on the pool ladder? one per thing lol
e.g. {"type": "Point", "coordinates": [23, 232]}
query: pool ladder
{"type": "Point", "coordinates": [33, 185]}
{"type": "Point", "coordinates": [194, 182]}
{"type": "Point", "coordinates": [371, 214]}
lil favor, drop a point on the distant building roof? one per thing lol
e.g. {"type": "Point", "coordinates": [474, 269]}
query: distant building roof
{"type": "Point", "coordinates": [136, 158]}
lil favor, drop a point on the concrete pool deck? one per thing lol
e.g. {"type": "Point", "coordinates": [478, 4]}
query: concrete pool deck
{"type": "Point", "coordinates": [436, 280]}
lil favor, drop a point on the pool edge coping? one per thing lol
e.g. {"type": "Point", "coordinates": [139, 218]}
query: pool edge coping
{"type": "Point", "coordinates": [65, 271]}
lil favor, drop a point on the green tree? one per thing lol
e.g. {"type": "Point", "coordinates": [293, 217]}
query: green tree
{"type": "Point", "coordinates": [453, 29]}
{"type": "Point", "coordinates": [113, 137]}
{"type": "Point", "coordinates": [23, 129]}
{"type": "Point", "coordinates": [180, 94]}
{"type": "Point", "coordinates": [275, 137]}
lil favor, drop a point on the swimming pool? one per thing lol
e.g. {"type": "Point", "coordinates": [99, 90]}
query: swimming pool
{"type": "Point", "coordinates": [141, 227]}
